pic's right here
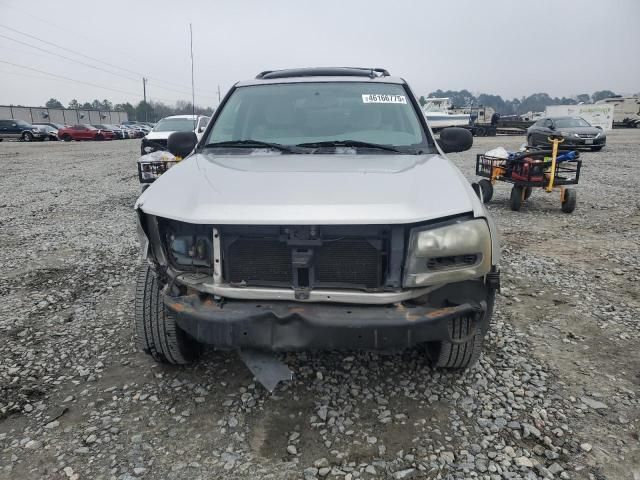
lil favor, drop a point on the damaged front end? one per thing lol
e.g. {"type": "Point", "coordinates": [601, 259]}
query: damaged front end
{"type": "Point", "coordinates": [317, 287]}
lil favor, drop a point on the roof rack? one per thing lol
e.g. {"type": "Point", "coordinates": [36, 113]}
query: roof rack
{"type": "Point", "coordinates": [323, 72]}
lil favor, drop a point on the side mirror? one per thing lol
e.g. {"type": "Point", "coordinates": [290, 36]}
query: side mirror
{"type": "Point", "coordinates": [455, 139]}
{"type": "Point", "coordinates": [181, 144]}
{"type": "Point", "coordinates": [200, 129]}
{"type": "Point", "coordinates": [552, 127]}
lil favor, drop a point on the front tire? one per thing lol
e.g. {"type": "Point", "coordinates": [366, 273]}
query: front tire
{"type": "Point", "coordinates": [487, 190]}
{"type": "Point", "coordinates": [66, 137]}
{"type": "Point", "coordinates": [27, 137]}
{"type": "Point", "coordinates": [460, 355]}
{"type": "Point", "coordinates": [156, 331]}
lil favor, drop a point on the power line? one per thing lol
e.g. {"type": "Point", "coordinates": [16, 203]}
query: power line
{"type": "Point", "coordinates": [79, 81]}
{"type": "Point", "coordinates": [69, 58]}
{"type": "Point", "coordinates": [66, 78]}
{"type": "Point", "coordinates": [87, 64]}
{"type": "Point", "coordinates": [98, 60]}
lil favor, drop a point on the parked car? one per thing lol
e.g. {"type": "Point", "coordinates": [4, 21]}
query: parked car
{"type": "Point", "coordinates": [135, 130]}
{"type": "Point", "coordinates": [84, 132]}
{"type": "Point", "coordinates": [118, 133]}
{"type": "Point", "coordinates": [125, 131]}
{"type": "Point", "coordinates": [56, 126]}
{"type": "Point", "coordinates": [157, 138]}
{"type": "Point", "coordinates": [316, 212]}
{"type": "Point", "coordinates": [52, 133]}
{"type": "Point", "coordinates": [576, 131]}
{"type": "Point", "coordinates": [12, 129]}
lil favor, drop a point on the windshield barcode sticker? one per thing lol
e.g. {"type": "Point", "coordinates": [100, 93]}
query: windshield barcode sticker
{"type": "Point", "coordinates": [381, 98]}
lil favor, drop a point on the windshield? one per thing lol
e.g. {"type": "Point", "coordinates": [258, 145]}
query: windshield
{"type": "Point", "coordinates": [173, 125]}
{"type": "Point", "coordinates": [571, 122]}
{"type": "Point", "coordinates": [312, 113]}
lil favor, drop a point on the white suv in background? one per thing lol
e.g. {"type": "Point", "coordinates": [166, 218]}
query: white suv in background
{"type": "Point", "coordinates": [157, 138]}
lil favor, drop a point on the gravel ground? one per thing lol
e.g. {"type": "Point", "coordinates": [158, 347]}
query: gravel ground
{"type": "Point", "coordinates": [556, 394]}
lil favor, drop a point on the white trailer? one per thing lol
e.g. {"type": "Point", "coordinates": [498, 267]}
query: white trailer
{"type": "Point", "coordinates": [597, 115]}
{"type": "Point", "coordinates": [626, 110]}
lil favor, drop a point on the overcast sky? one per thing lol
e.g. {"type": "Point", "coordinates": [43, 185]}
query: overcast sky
{"type": "Point", "coordinates": [510, 48]}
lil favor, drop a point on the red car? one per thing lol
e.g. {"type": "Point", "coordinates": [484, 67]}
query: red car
{"type": "Point", "coordinates": [84, 132]}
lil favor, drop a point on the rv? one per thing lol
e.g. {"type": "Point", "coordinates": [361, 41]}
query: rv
{"type": "Point", "coordinates": [626, 110]}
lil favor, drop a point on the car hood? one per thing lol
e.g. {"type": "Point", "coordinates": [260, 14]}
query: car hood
{"type": "Point", "coordinates": [586, 130]}
{"type": "Point", "coordinates": [310, 189]}
{"type": "Point", "coordinates": [158, 135]}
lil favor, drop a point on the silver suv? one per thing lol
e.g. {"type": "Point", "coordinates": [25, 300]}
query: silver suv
{"type": "Point", "coordinates": [316, 212]}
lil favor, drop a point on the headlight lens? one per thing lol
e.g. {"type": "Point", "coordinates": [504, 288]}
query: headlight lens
{"type": "Point", "coordinates": [152, 170]}
{"type": "Point", "coordinates": [452, 253]}
{"type": "Point", "coordinates": [188, 245]}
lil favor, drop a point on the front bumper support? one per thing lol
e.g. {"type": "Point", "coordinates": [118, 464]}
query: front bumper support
{"type": "Point", "coordinates": [284, 326]}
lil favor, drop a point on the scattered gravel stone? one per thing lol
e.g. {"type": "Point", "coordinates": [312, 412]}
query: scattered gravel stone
{"type": "Point", "coordinates": [595, 404]}
{"type": "Point", "coordinates": [524, 462]}
{"type": "Point", "coordinates": [402, 474]}
{"type": "Point", "coordinates": [33, 445]}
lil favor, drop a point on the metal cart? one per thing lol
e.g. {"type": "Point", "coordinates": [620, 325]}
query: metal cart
{"type": "Point", "coordinates": [531, 169]}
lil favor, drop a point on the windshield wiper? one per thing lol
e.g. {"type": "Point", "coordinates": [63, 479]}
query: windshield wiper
{"type": "Point", "coordinates": [251, 144]}
{"type": "Point", "coordinates": [348, 143]}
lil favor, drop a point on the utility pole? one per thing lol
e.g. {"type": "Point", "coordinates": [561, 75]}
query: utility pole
{"type": "Point", "coordinates": [218, 94]}
{"type": "Point", "coordinates": [193, 91]}
{"type": "Point", "coordinates": [144, 93]}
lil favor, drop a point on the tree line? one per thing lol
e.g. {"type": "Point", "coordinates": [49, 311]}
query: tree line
{"type": "Point", "coordinates": [143, 111]}
{"type": "Point", "coordinates": [153, 111]}
{"type": "Point", "coordinates": [517, 106]}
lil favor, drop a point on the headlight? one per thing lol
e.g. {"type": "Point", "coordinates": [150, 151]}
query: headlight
{"type": "Point", "coordinates": [152, 170]}
{"type": "Point", "coordinates": [188, 245]}
{"type": "Point", "coordinates": [452, 253]}
{"type": "Point", "coordinates": [566, 134]}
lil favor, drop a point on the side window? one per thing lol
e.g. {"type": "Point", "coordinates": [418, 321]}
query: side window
{"type": "Point", "coordinates": [4, 123]}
